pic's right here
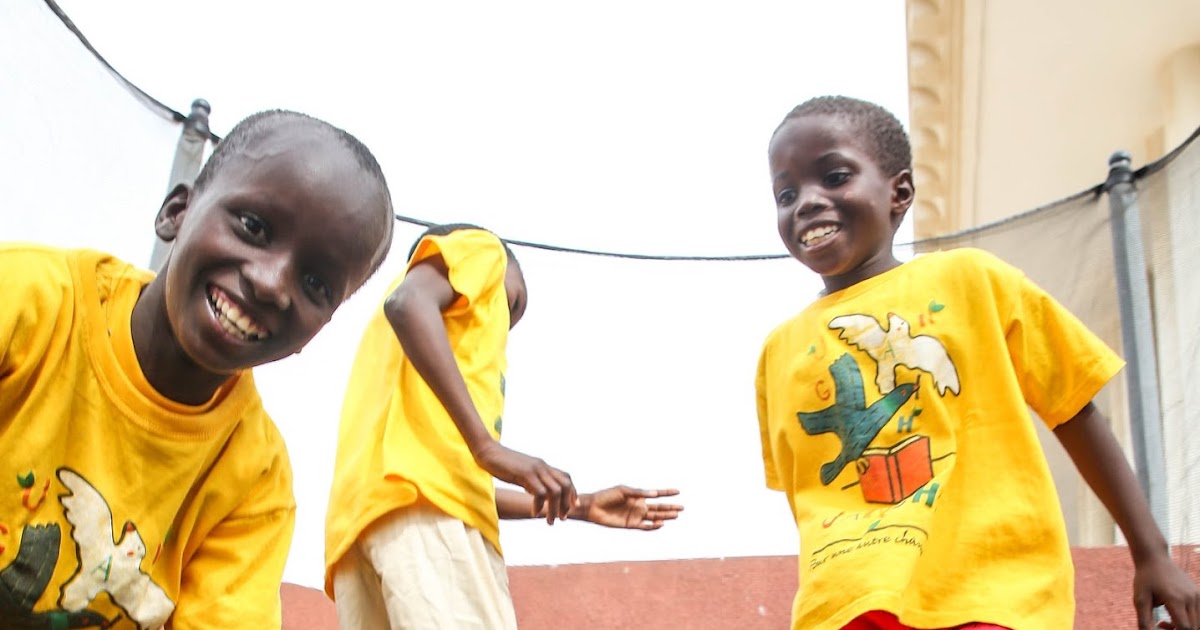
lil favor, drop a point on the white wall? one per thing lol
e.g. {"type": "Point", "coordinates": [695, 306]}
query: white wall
{"type": "Point", "coordinates": [636, 127]}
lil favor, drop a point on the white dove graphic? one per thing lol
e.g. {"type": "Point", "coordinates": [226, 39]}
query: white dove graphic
{"type": "Point", "coordinates": [895, 347]}
{"type": "Point", "coordinates": [105, 565]}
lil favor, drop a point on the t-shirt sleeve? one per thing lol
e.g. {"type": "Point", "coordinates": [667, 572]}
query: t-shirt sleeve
{"type": "Point", "coordinates": [231, 580]}
{"type": "Point", "coordinates": [1061, 365]}
{"type": "Point", "coordinates": [35, 292]}
{"type": "Point", "coordinates": [476, 261]}
{"type": "Point", "coordinates": [760, 389]}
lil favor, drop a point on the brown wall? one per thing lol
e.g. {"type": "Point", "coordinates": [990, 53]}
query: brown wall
{"type": "Point", "coordinates": [742, 593]}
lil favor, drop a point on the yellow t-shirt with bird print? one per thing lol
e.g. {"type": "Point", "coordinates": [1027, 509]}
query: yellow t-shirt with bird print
{"type": "Point", "coordinates": [895, 416]}
{"type": "Point", "coordinates": [118, 507]}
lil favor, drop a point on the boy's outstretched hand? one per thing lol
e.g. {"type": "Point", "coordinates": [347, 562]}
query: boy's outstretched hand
{"type": "Point", "coordinates": [1157, 581]}
{"type": "Point", "coordinates": [553, 492]}
{"type": "Point", "coordinates": [1160, 582]}
{"type": "Point", "coordinates": [622, 506]}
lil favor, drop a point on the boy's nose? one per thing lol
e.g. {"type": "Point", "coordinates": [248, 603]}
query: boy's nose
{"type": "Point", "coordinates": [269, 282]}
{"type": "Point", "coordinates": [812, 199]}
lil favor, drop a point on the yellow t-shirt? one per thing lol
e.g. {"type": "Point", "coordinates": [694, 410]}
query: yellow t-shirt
{"type": "Point", "coordinates": [895, 415]}
{"type": "Point", "coordinates": [397, 442]}
{"type": "Point", "coordinates": [116, 504]}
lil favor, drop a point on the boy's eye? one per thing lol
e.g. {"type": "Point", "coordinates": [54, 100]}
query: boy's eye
{"type": "Point", "coordinates": [317, 288]}
{"type": "Point", "coordinates": [253, 226]}
{"type": "Point", "coordinates": [786, 197]}
{"type": "Point", "coordinates": [836, 178]}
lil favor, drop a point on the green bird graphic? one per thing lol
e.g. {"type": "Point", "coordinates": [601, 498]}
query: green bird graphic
{"type": "Point", "coordinates": [849, 417]}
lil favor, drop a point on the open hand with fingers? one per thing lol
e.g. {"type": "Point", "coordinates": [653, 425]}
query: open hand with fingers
{"type": "Point", "coordinates": [1160, 582]}
{"type": "Point", "coordinates": [625, 507]}
{"type": "Point", "coordinates": [553, 492]}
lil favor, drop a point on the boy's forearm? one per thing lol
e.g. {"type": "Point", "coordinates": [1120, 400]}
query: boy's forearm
{"type": "Point", "coordinates": [512, 504]}
{"type": "Point", "coordinates": [418, 325]}
{"type": "Point", "coordinates": [1102, 464]}
{"type": "Point", "coordinates": [515, 504]}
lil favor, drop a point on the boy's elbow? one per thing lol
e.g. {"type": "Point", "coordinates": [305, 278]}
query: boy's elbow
{"type": "Point", "coordinates": [397, 306]}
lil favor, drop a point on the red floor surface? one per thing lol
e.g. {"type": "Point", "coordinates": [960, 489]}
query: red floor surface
{"type": "Point", "coordinates": [716, 594]}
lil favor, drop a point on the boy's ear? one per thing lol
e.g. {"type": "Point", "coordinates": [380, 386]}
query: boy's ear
{"type": "Point", "coordinates": [903, 192]}
{"type": "Point", "coordinates": [170, 215]}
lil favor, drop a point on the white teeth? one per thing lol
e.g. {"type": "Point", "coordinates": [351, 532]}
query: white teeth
{"type": "Point", "coordinates": [818, 234]}
{"type": "Point", "coordinates": [233, 320]}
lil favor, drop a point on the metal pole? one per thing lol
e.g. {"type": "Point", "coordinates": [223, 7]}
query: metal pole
{"type": "Point", "coordinates": [1137, 336]}
{"type": "Point", "coordinates": [189, 157]}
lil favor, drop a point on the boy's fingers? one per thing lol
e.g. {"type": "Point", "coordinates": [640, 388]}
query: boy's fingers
{"type": "Point", "coordinates": [1180, 615]}
{"type": "Point", "coordinates": [665, 514]}
{"type": "Point", "coordinates": [534, 487]}
{"type": "Point", "coordinates": [642, 493]}
{"type": "Point", "coordinates": [1178, 612]}
{"type": "Point", "coordinates": [553, 497]}
{"type": "Point", "coordinates": [568, 496]}
{"type": "Point", "coordinates": [1145, 611]}
{"type": "Point", "coordinates": [568, 500]}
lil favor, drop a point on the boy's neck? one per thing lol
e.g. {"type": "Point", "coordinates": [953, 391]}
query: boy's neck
{"type": "Point", "coordinates": [882, 263]}
{"type": "Point", "coordinates": [163, 362]}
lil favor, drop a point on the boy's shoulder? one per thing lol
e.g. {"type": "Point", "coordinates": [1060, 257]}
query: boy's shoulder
{"type": "Point", "coordinates": [966, 260]}
{"type": "Point", "coordinates": [961, 265]}
{"type": "Point", "coordinates": [30, 266]}
{"type": "Point", "coordinates": [17, 255]}
{"type": "Point", "coordinates": [456, 245]}
{"type": "Point", "coordinates": [35, 253]}
{"type": "Point", "coordinates": [37, 267]}
{"type": "Point", "coordinates": [982, 272]}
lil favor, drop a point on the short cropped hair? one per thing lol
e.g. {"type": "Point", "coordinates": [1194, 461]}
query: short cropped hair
{"type": "Point", "coordinates": [251, 128]}
{"type": "Point", "coordinates": [885, 136]}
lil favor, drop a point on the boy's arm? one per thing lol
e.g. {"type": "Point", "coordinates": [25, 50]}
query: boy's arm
{"type": "Point", "coordinates": [414, 311]}
{"type": "Point", "coordinates": [232, 572]}
{"type": "Point", "coordinates": [1158, 581]}
{"type": "Point", "coordinates": [232, 581]}
{"type": "Point", "coordinates": [619, 506]}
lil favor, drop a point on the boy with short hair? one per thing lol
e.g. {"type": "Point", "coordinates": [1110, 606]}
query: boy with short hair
{"type": "Point", "coordinates": [412, 532]}
{"type": "Point", "coordinates": [893, 410]}
{"type": "Point", "coordinates": [143, 483]}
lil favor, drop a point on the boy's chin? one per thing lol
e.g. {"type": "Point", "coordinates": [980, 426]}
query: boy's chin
{"type": "Point", "coordinates": [216, 361]}
{"type": "Point", "coordinates": [824, 268]}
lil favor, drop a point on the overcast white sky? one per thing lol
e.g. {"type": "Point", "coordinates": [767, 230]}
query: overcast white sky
{"type": "Point", "coordinates": [628, 126]}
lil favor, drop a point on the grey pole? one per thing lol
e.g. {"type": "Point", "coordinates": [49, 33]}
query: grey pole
{"type": "Point", "coordinates": [189, 157]}
{"type": "Point", "coordinates": [1137, 336]}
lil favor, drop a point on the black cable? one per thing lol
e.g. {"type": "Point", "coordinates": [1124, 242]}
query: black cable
{"type": "Point", "coordinates": [592, 252]}
{"type": "Point", "coordinates": [152, 103]}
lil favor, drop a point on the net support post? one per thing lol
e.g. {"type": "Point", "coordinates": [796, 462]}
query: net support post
{"type": "Point", "coordinates": [1137, 335]}
{"type": "Point", "coordinates": [189, 157]}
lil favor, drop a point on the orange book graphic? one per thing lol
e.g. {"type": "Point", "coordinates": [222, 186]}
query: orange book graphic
{"type": "Point", "coordinates": [891, 475]}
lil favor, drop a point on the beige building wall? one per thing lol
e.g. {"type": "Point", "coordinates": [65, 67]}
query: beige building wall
{"type": "Point", "coordinates": [1015, 104]}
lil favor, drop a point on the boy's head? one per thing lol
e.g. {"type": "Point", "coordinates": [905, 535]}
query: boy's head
{"type": "Point", "coordinates": [841, 172]}
{"type": "Point", "coordinates": [287, 219]}
{"type": "Point", "coordinates": [514, 278]}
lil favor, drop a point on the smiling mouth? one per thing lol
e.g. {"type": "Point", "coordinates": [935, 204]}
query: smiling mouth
{"type": "Point", "coordinates": [819, 234]}
{"type": "Point", "coordinates": [231, 318]}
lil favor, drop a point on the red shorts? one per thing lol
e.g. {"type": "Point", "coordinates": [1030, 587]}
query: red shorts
{"type": "Point", "coordinates": [879, 620]}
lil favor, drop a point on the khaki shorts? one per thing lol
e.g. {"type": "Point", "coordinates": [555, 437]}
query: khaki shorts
{"type": "Point", "coordinates": [420, 569]}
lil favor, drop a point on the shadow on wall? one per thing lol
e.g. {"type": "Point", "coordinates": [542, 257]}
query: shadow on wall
{"type": "Point", "coordinates": [714, 594]}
